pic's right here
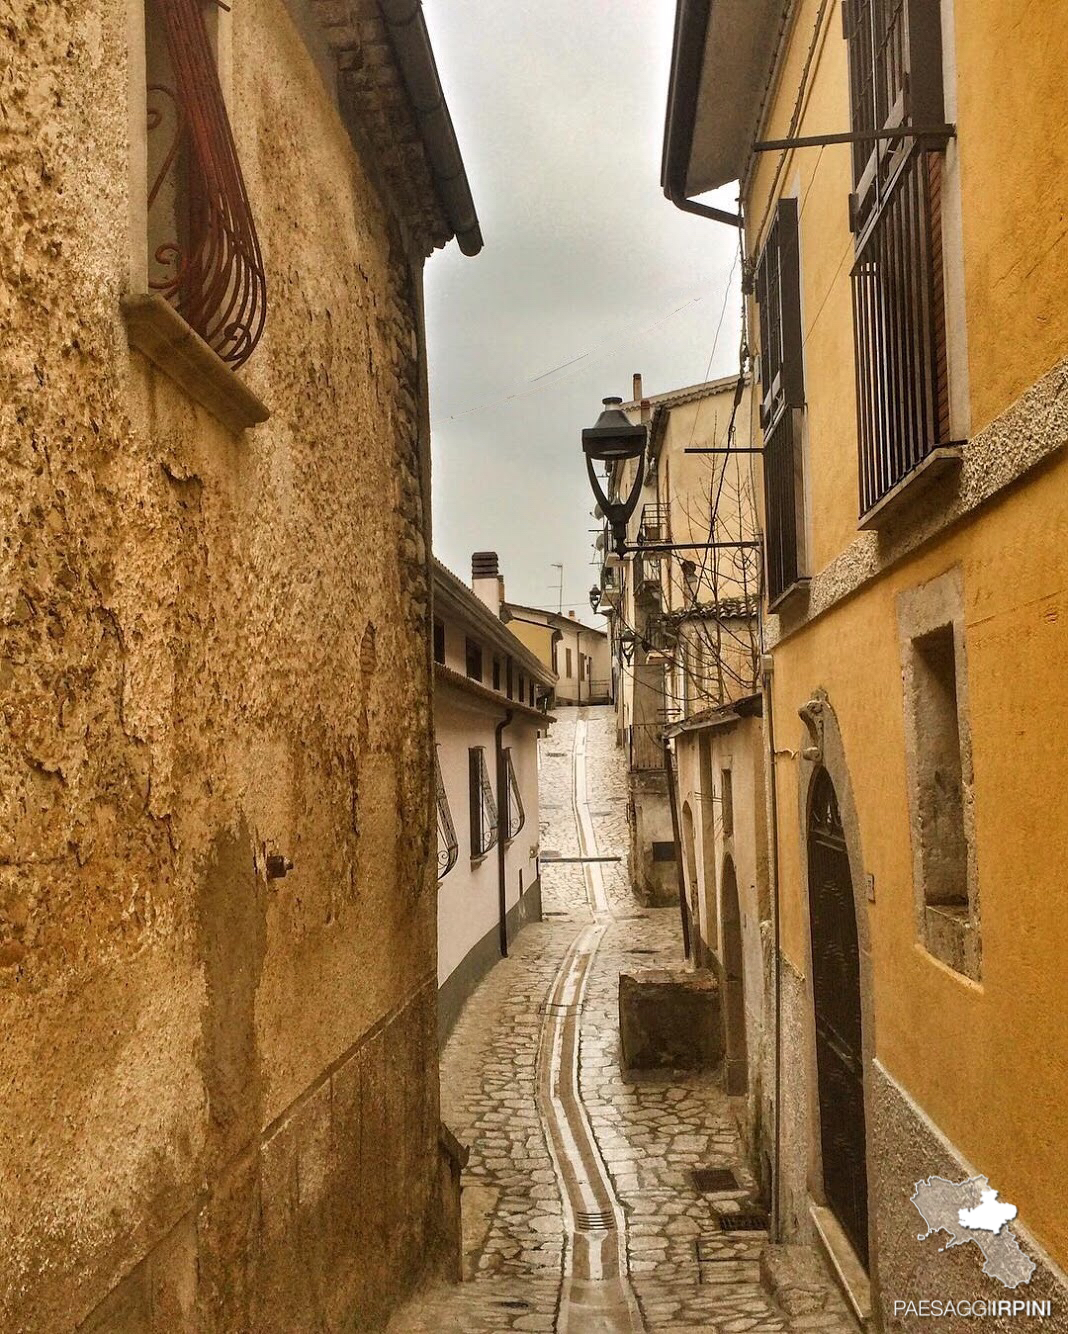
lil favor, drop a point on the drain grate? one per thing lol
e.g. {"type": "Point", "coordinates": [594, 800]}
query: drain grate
{"type": "Point", "coordinates": [708, 1180]}
{"type": "Point", "coordinates": [638, 949]}
{"type": "Point", "coordinates": [752, 1222]}
{"type": "Point", "coordinates": [600, 1221]}
{"type": "Point", "coordinates": [513, 1304]}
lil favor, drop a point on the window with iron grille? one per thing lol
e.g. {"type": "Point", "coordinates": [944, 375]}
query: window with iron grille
{"type": "Point", "coordinates": [483, 805]}
{"type": "Point", "coordinates": [782, 387]}
{"type": "Point", "coordinates": [473, 658]}
{"type": "Point", "coordinates": [448, 847]}
{"type": "Point", "coordinates": [515, 815]}
{"type": "Point", "coordinates": [899, 321]}
{"type": "Point", "coordinates": [203, 252]}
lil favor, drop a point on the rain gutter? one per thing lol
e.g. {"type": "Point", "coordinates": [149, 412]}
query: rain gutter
{"type": "Point", "coordinates": [415, 58]}
{"type": "Point", "coordinates": [687, 58]}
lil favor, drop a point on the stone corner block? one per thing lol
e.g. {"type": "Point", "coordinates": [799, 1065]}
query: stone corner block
{"type": "Point", "coordinates": [670, 1019]}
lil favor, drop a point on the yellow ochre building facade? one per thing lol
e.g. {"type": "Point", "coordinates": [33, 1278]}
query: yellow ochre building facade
{"type": "Point", "coordinates": [908, 333]}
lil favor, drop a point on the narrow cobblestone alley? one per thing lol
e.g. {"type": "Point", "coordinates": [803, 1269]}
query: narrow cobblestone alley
{"type": "Point", "coordinates": [580, 1212]}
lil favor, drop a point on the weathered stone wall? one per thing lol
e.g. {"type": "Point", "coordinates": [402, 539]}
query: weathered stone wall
{"type": "Point", "coordinates": [219, 1103]}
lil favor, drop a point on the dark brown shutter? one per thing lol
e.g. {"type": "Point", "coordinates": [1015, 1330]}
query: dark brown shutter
{"type": "Point", "coordinates": [938, 295]}
{"type": "Point", "coordinates": [474, 787]}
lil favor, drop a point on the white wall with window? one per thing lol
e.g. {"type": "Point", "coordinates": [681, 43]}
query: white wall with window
{"type": "Point", "coordinates": [487, 789]}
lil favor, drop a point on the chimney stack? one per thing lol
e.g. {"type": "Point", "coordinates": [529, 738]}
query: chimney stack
{"type": "Point", "coordinates": [486, 582]}
{"type": "Point", "coordinates": [637, 384]}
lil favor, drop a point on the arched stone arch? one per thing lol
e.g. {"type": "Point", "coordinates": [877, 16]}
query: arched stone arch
{"type": "Point", "coordinates": [822, 751]}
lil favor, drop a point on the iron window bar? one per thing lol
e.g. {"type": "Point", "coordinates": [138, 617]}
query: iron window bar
{"type": "Point", "coordinates": [206, 253]}
{"type": "Point", "coordinates": [515, 815]}
{"type": "Point", "coordinates": [448, 846]}
{"type": "Point", "coordinates": [899, 324]}
{"type": "Point", "coordinates": [483, 805]}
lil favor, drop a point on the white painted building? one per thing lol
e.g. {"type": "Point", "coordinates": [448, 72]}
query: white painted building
{"type": "Point", "coordinates": [580, 655]}
{"type": "Point", "coordinates": [489, 697]}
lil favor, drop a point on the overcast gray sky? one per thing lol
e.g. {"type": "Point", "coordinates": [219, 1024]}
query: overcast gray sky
{"type": "Point", "coordinates": [559, 110]}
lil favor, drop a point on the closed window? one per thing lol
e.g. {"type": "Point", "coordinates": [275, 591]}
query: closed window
{"type": "Point", "coordinates": [782, 389]}
{"type": "Point", "coordinates": [483, 805]}
{"type": "Point", "coordinates": [727, 802]}
{"type": "Point", "coordinates": [474, 659]}
{"type": "Point", "coordinates": [567, 663]}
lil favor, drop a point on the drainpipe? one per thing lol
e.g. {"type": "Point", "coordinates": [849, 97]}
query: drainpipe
{"type": "Point", "coordinates": [502, 810]}
{"type": "Point", "coordinates": [776, 1166]}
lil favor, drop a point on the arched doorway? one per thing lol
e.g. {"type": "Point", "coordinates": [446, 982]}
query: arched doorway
{"type": "Point", "coordinates": [734, 983]}
{"type": "Point", "coordinates": [836, 998]}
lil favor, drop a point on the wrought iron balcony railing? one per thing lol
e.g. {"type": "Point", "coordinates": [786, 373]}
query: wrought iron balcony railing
{"type": "Point", "coordinates": [653, 525]}
{"type": "Point", "coordinates": [899, 330]}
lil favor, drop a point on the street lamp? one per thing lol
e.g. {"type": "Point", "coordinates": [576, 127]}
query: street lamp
{"type": "Point", "coordinates": [614, 439]}
{"type": "Point", "coordinates": [595, 596]}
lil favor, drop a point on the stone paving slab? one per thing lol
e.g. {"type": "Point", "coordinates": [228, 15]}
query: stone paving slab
{"type": "Point", "coordinates": [687, 1274]}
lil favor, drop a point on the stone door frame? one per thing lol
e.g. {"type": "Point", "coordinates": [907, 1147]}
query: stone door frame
{"type": "Point", "coordinates": [822, 747]}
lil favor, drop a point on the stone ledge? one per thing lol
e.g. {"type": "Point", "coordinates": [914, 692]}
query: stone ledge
{"type": "Point", "coordinates": [159, 333]}
{"type": "Point", "coordinates": [848, 1271]}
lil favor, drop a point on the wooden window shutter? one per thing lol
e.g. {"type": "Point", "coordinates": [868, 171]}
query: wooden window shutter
{"type": "Point", "coordinates": [474, 786]}
{"type": "Point", "coordinates": [778, 292]}
{"type": "Point", "coordinates": [206, 260]}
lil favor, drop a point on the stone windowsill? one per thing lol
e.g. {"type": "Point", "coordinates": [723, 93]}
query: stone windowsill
{"type": "Point", "coordinates": [951, 937]}
{"type": "Point", "coordinates": [156, 330]}
{"type": "Point", "coordinates": [945, 459]}
{"type": "Point", "coordinates": [792, 593]}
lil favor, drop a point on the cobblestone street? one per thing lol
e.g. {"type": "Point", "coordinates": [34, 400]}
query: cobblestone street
{"type": "Point", "coordinates": [532, 1259]}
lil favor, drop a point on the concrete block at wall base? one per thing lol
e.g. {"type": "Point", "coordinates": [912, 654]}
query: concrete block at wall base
{"type": "Point", "coordinates": [670, 1020]}
{"type": "Point", "coordinates": [453, 1157]}
{"type": "Point", "coordinates": [794, 1278]}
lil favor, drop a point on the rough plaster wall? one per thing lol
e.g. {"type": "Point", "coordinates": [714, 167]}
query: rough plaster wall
{"type": "Point", "coordinates": [183, 613]}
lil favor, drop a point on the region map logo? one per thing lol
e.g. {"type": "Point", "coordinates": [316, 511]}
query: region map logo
{"type": "Point", "coordinates": [970, 1211]}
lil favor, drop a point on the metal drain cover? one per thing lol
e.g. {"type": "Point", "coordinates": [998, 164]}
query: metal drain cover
{"type": "Point", "coordinates": [743, 1222]}
{"type": "Point", "coordinates": [708, 1180]}
{"type": "Point", "coordinates": [601, 1221]}
{"type": "Point", "coordinates": [513, 1304]}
